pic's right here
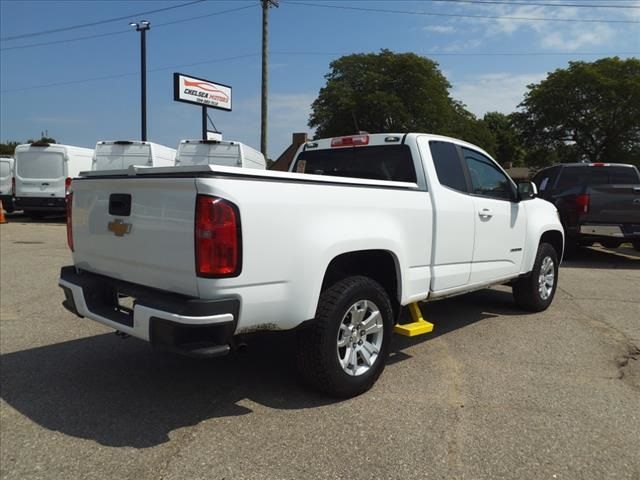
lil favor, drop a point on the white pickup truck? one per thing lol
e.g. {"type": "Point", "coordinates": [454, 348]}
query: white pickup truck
{"type": "Point", "coordinates": [192, 259]}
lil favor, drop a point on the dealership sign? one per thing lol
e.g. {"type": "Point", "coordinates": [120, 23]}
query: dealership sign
{"type": "Point", "coordinates": [201, 92]}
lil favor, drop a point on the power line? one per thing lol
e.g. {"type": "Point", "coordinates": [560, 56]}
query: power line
{"type": "Point", "coordinates": [120, 32]}
{"type": "Point", "coordinates": [129, 74]}
{"type": "Point", "coordinates": [69, 40]}
{"type": "Point", "coordinates": [458, 15]}
{"type": "Point", "coordinates": [537, 4]}
{"type": "Point", "coordinates": [99, 22]}
{"type": "Point", "coordinates": [478, 54]}
{"type": "Point", "coordinates": [249, 55]}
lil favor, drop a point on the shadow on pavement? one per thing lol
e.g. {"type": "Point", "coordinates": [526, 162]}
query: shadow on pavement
{"type": "Point", "coordinates": [122, 393]}
{"type": "Point", "coordinates": [455, 313]}
{"type": "Point", "coordinates": [600, 257]}
{"type": "Point", "coordinates": [23, 218]}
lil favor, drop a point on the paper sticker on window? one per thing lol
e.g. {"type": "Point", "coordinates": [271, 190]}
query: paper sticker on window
{"type": "Point", "coordinates": [302, 164]}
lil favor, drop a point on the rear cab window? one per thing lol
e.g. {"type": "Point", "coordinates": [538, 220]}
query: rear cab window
{"type": "Point", "coordinates": [544, 179]}
{"type": "Point", "coordinates": [448, 165]}
{"type": "Point", "coordinates": [596, 175]}
{"type": "Point", "coordinates": [380, 162]}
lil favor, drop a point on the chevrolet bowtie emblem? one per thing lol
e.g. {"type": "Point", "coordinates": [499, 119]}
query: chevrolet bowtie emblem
{"type": "Point", "coordinates": [119, 227]}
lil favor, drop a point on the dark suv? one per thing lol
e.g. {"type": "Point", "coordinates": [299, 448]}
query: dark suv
{"type": "Point", "coordinates": [598, 202]}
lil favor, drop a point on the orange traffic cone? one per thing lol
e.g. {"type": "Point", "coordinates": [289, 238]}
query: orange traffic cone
{"type": "Point", "coordinates": [2, 219]}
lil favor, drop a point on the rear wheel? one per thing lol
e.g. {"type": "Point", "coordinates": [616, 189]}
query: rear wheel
{"type": "Point", "coordinates": [344, 351]}
{"type": "Point", "coordinates": [536, 291]}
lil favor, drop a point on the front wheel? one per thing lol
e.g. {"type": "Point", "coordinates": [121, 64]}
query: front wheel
{"type": "Point", "coordinates": [536, 291]}
{"type": "Point", "coordinates": [344, 351]}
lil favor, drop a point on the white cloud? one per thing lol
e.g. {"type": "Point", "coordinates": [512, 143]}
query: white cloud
{"type": "Point", "coordinates": [462, 46]}
{"type": "Point", "coordinates": [551, 34]}
{"type": "Point", "coordinates": [446, 29]}
{"type": "Point", "coordinates": [500, 92]}
{"type": "Point", "coordinates": [573, 38]}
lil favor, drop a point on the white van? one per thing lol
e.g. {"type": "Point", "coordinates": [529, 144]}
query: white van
{"type": "Point", "coordinates": [6, 183]}
{"type": "Point", "coordinates": [43, 174]}
{"type": "Point", "coordinates": [121, 154]}
{"type": "Point", "coordinates": [219, 152]}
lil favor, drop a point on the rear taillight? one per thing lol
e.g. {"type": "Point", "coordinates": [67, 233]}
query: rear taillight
{"type": "Point", "coordinates": [13, 186]}
{"type": "Point", "coordinates": [67, 185]}
{"type": "Point", "coordinates": [217, 238]}
{"type": "Point", "coordinates": [69, 200]}
{"type": "Point", "coordinates": [582, 203]}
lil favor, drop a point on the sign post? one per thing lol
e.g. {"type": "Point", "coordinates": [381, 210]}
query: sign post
{"type": "Point", "coordinates": [204, 123]}
{"type": "Point", "coordinates": [205, 93]}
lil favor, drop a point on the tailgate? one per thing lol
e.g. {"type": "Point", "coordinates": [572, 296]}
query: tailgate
{"type": "Point", "coordinates": [151, 245]}
{"type": "Point", "coordinates": [619, 204]}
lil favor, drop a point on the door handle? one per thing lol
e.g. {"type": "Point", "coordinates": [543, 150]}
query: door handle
{"type": "Point", "coordinates": [485, 213]}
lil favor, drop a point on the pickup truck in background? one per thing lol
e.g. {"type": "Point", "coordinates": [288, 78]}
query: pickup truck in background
{"type": "Point", "coordinates": [192, 259]}
{"type": "Point", "coordinates": [598, 202]}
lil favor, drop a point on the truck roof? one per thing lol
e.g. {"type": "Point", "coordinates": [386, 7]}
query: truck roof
{"type": "Point", "coordinates": [364, 139]}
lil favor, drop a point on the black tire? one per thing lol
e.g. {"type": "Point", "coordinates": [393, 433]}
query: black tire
{"type": "Point", "coordinates": [636, 245]}
{"type": "Point", "coordinates": [610, 243]}
{"type": "Point", "coordinates": [526, 291]}
{"type": "Point", "coordinates": [318, 350]}
{"type": "Point", "coordinates": [36, 215]}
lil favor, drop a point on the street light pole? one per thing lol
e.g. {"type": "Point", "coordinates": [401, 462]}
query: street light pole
{"type": "Point", "coordinates": [142, 27]}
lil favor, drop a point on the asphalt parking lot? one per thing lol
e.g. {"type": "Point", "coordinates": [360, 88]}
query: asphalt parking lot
{"type": "Point", "coordinates": [493, 394]}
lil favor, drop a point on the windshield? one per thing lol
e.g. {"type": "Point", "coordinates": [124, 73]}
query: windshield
{"type": "Point", "coordinates": [383, 162]}
{"type": "Point", "coordinates": [39, 164]}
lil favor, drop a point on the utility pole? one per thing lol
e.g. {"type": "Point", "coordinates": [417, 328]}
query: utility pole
{"type": "Point", "coordinates": [266, 4]}
{"type": "Point", "coordinates": [142, 27]}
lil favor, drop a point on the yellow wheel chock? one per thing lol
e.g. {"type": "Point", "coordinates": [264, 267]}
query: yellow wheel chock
{"type": "Point", "coordinates": [419, 326]}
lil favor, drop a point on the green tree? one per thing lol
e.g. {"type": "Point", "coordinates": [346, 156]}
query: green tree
{"type": "Point", "coordinates": [588, 111]}
{"type": "Point", "coordinates": [391, 92]}
{"type": "Point", "coordinates": [8, 148]}
{"type": "Point", "coordinates": [43, 139]}
{"type": "Point", "coordinates": [509, 148]}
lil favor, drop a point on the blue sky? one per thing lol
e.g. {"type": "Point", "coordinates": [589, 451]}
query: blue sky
{"type": "Point", "coordinates": [49, 87]}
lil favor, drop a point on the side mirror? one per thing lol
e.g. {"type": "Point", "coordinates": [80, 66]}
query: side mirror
{"type": "Point", "coordinates": [527, 190]}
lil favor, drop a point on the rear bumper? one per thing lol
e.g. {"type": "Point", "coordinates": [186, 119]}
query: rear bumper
{"type": "Point", "coordinates": [41, 204]}
{"type": "Point", "coordinates": [597, 231]}
{"type": "Point", "coordinates": [191, 326]}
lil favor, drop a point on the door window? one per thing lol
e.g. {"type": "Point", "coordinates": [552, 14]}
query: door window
{"type": "Point", "coordinates": [486, 179]}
